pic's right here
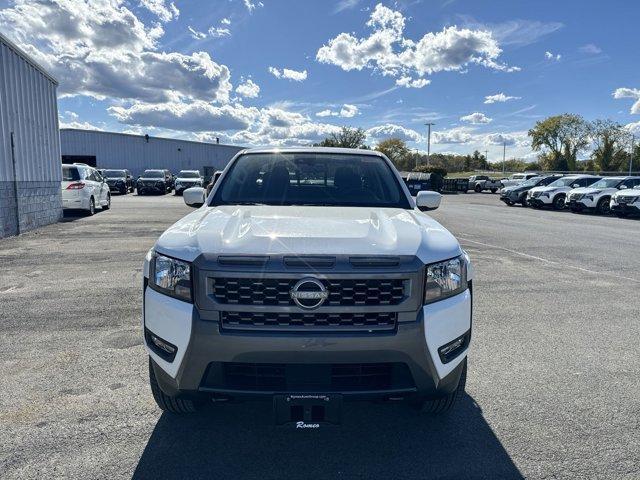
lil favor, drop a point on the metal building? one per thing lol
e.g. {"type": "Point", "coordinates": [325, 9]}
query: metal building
{"type": "Point", "coordinates": [30, 172]}
{"type": "Point", "coordinates": [137, 152]}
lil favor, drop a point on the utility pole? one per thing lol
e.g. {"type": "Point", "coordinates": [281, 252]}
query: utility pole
{"type": "Point", "coordinates": [486, 157]}
{"type": "Point", "coordinates": [633, 140]}
{"type": "Point", "coordinates": [429, 124]}
{"type": "Point", "coordinates": [504, 156]}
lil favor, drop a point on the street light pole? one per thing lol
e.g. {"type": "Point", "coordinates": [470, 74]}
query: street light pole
{"type": "Point", "coordinates": [429, 124]}
{"type": "Point", "coordinates": [504, 157]}
{"type": "Point", "coordinates": [633, 140]}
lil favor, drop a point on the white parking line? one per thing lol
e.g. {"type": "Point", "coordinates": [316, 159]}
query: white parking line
{"type": "Point", "coordinates": [551, 262]}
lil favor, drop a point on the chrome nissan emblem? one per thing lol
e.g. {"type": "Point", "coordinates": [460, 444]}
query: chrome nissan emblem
{"type": "Point", "coordinates": [309, 293]}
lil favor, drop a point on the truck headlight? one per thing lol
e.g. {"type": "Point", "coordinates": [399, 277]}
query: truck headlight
{"type": "Point", "coordinates": [445, 279]}
{"type": "Point", "coordinates": [171, 277]}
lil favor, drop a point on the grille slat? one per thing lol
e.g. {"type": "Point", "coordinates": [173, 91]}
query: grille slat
{"type": "Point", "coordinates": [282, 321]}
{"type": "Point", "coordinates": [275, 292]}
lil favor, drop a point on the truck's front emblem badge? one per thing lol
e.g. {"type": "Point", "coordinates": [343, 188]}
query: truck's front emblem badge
{"type": "Point", "coordinates": [309, 293]}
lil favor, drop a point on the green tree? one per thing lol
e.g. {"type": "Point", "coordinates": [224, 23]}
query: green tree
{"type": "Point", "coordinates": [396, 150]}
{"type": "Point", "coordinates": [560, 138]}
{"type": "Point", "coordinates": [347, 137]}
{"type": "Point", "coordinates": [611, 141]}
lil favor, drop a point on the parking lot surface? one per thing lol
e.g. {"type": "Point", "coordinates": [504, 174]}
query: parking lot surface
{"type": "Point", "coordinates": [553, 389]}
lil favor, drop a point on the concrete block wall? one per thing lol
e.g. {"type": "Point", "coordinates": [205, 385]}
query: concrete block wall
{"type": "Point", "coordinates": [39, 204]}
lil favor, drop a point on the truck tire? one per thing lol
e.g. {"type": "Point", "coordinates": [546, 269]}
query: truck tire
{"type": "Point", "coordinates": [494, 190]}
{"type": "Point", "coordinates": [478, 189]}
{"type": "Point", "coordinates": [443, 405]}
{"type": "Point", "coordinates": [166, 402]}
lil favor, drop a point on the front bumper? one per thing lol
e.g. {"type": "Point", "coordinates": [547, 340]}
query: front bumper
{"type": "Point", "coordinates": [152, 188]}
{"type": "Point", "coordinates": [202, 346]}
{"type": "Point", "coordinates": [626, 208]}
{"type": "Point", "coordinates": [182, 187]}
{"type": "Point", "coordinates": [539, 201]}
{"type": "Point", "coordinates": [116, 187]}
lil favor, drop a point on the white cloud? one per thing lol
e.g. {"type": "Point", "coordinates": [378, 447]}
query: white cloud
{"type": "Point", "coordinates": [215, 32]}
{"type": "Point", "coordinates": [196, 34]}
{"type": "Point", "coordinates": [517, 33]}
{"type": "Point", "coordinates": [499, 97]}
{"type": "Point", "coordinates": [552, 56]}
{"type": "Point", "coordinates": [387, 51]}
{"type": "Point", "coordinates": [165, 12]}
{"type": "Point", "coordinates": [476, 118]}
{"type": "Point", "coordinates": [251, 5]}
{"type": "Point", "coordinates": [408, 82]}
{"type": "Point", "coordinates": [591, 49]}
{"type": "Point", "coordinates": [633, 128]}
{"type": "Point", "coordinates": [629, 93]}
{"type": "Point", "coordinates": [197, 116]}
{"type": "Point", "coordinates": [248, 89]}
{"type": "Point", "coordinates": [79, 125]}
{"type": "Point", "coordinates": [519, 139]}
{"type": "Point", "coordinates": [453, 135]}
{"type": "Point", "coordinates": [289, 74]}
{"type": "Point", "coordinates": [345, 5]}
{"type": "Point", "coordinates": [347, 111]}
{"type": "Point", "coordinates": [225, 21]}
{"type": "Point", "coordinates": [103, 50]}
{"type": "Point", "coordinates": [390, 130]}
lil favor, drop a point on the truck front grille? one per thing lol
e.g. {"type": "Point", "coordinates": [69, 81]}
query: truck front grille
{"type": "Point", "coordinates": [284, 377]}
{"type": "Point", "coordinates": [305, 322]}
{"type": "Point", "coordinates": [276, 291]}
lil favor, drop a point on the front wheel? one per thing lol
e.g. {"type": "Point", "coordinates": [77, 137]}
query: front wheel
{"type": "Point", "coordinates": [494, 190]}
{"type": "Point", "coordinates": [509, 203]}
{"type": "Point", "coordinates": [108, 205]}
{"type": "Point", "coordinates": [603, 207]}
{"type": "Point", "coordinates": [166, 402]}
{"type": "Point", "coordinates": [442, 405]}
{"type": "Point", "coordinates": [558, 202]}
{"type": "Point", "coordinates": [478, 189]}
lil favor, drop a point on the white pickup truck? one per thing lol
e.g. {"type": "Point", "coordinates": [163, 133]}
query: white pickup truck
{"type": "Point", "coordinates": [480, 183]}
{"type": "Point", "coordinates": [309, 276]}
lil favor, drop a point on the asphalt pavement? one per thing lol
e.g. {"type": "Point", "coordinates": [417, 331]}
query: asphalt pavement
{"type": "Point", "coordinates": [553, 389]}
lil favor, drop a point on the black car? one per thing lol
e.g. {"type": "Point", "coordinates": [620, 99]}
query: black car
{"type": "Point", "coordinates": [119, 180]}
{"type": "Point", "coordinates": [518, 193]}
{"type": "Point", "coordinates": [154, 181]}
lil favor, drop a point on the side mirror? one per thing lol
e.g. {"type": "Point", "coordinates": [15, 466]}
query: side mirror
{"type": "Point", "coordinates": [623, 187]}
{"type": "Point", "coordinates": [194, 196]}
{"type": "Point", "coordinates": [427, 200]}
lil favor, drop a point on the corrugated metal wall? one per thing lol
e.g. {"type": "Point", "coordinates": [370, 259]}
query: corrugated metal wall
{"type": "Point", "coordinates": [116, 150]}
{"type": "Point", "coordinates": [28, 108]}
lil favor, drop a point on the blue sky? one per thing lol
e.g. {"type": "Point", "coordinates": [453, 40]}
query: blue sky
{"type": "Point", "coordinates": [290, 72]}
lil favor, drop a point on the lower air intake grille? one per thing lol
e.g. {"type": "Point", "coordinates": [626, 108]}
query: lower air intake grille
{"type": "Point", "coordinates": [319, 378]}
{"type": "Point", "coordinates": [282, 321]}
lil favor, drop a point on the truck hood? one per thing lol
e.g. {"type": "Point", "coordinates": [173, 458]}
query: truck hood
{"type": "Point", "coordinates": [274, 230]}
{"type": "Point", "coordinates": [550, 189]}
{"type": "Point", "coordinates": [589, 190]}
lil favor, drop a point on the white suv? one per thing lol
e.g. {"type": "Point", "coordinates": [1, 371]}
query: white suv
{"type": "Point", "coordinates": [84, 188]}
{"type": "Point", "coordinates": [309, 276]}
{"type": "Point", "coordinates": [597, 196]}
{"type": "Point", "coordinates": [626, 202]}
{"type": "Point", "coordinates": [555, 193]}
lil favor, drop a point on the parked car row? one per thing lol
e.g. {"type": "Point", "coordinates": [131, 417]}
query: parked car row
{"type": "Point", "coordinates": [88, 188]}
{"type": "Point", "coordinates": [603, 195]}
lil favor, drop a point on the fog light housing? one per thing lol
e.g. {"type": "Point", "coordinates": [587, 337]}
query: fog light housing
{"type": "Point", "coordinates": [160, 347]}
{"type": "Point", "coordinates": [451, 350]}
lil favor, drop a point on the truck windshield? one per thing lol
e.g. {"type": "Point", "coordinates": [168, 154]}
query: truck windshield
{"type": "Point", "coordinates": [316, 179]}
